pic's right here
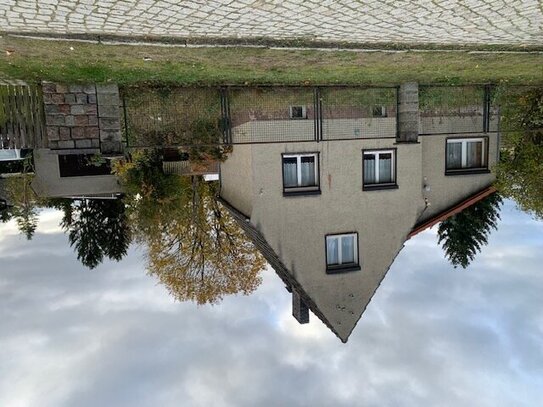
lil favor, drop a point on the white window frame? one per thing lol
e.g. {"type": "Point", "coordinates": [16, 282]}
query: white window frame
{"type": "Point", "coordinates": [377, 153]}
{"type": "Point", "coordinates": [304, 112]}
{"type": "Point", "coordinates": [465, 142]}
{"type": "Point", "coordinates": [299, 169]}
{"type": "Point", "coordinates": [340, 254]}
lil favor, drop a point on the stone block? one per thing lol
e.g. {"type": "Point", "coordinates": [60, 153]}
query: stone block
{"type": "Point", "coordinates": [110, 135]}
{"type": "Point", "coordinates": [93, 120]}
{"type": "Point", "coordinates": [92, 132]}
{"type": "Point", "coordinates": [78, 109]}
{"type": "Point", "coordinates": [70, 120]}
{"type": "Point", "coordinates": [91, 109]}
{"type": "Point", "coordinates": [65, 133]}
{"type": "Point", "coordinates": [51, 109]}
{"type": "Point", "coordinates": [69, 98]}
{"type": "Point", "coordinates": [57, 98]}
{"type": "Point", "coordinates": [89, 89]}
{"type": "Point", "coordinates": [81, 98]}
{"type": "Point", "coordinates": [104, 88]}
{"type": "Point", "coordinates": [83, 144]}
{"type": "Point", "coordinates": [54, 119]}
{"type": "Point", "coordinates": [108, 123]}
{"type": "Point", "coordinates": [64, 109]}
{"type": "Point", "coordinates": [110, 111]}
{"type": "Point", "coordinates": [53, 133]}
{"type": "Point", "coordinates": [95, 143]}
{"type": "Point", "coordinates": [78, 132]}
{"type": "Point", "coordinates": [48, 87]}
{"type": "Point", "coordinates": [61, 88]}
{"type": "Point", "coordinates": [111, 147]}
{"type": "Point", "coordinates": [66, 144]}
{"type": "Point", "coordinates": [53, 144]}
{"type": "Point", "coordinates": [91, 98]}
{"type": "Point", "coordinates": [81, 120]}
{"type": "Point", "coordinates": [76, 88]}
{"type": "Point", "coordinates": [108, 100]}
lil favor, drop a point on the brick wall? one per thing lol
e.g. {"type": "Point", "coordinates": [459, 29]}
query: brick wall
{"type": "Point", "coordinates": [82, 117]}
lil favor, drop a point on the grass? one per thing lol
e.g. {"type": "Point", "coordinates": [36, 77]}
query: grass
{"type": "Point", "coordinates": [36, 60]}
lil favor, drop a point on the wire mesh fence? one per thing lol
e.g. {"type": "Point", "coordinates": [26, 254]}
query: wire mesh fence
{"type": "Point", "coordinates": [353, 113]}
{"type": "Point", "coordinates": [454, 110]}
{"type": "Point", "coordinates": [272, 114]}
{"type": "Point", "coordinates": [172, 116]}
{"type": "Point", "coordinates": [237, 115]}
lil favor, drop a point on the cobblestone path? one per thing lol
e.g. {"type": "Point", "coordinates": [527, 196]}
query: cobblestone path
{"type": "Point", "coordinates": [515, 22]}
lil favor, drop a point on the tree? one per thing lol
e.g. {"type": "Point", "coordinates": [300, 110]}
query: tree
{"type": "Point", "coordinates": [464, 234]}
{"type": "Point", "coordinates": [24, 204]}
{"type": "Point", "coordinates": [521, 163]}
{"type": "Point", "coordinates": [193, 246]}
{"type": "Point", "coordinates": [96, 228]}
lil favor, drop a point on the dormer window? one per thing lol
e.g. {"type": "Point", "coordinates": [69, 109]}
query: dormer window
{"type": "Point", "coordinates": [298, 112]}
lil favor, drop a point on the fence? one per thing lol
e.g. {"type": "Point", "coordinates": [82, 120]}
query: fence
{"type": "Point", "coordinates": [238, 115]}
{"type": "Point", "coordinates": [22, 121]}
{"type": "Point", "coordinates": [456, 110]}
{"type": "Point", "coordinates": [169, 117]}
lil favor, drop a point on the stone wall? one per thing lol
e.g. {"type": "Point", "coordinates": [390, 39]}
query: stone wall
{"type": "Point", "coordinates": [82, 117]}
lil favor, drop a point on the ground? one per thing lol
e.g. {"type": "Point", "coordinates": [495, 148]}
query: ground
{"type": "Point", "coordinates": [78, 62]}
{"type": "Point", "coordinates": [512, 22]}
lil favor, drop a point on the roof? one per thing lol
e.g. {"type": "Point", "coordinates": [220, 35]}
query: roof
{"type": "Point", "coordinates": [453, 210]}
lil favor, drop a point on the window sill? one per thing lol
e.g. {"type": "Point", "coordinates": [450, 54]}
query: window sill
{"type": "Point", "coordinates": [376, 187]}
{"type": "Point", "coordinates": [468, 171]}
{"type": "Point", "coordinates": [301, 192]}
{"type": "Point", "coordinates": [342, 268]}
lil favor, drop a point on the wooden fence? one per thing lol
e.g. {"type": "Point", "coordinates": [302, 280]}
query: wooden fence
{"type": "Point", "coordinates": [22, 120]}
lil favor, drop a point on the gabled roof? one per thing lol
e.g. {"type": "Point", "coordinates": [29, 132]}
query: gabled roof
{"type": "Point", "coordinates": [453, 210]}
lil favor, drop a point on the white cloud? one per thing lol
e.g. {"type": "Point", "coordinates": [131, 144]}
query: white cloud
{"type": "Point", "coordinates": [432, 335]}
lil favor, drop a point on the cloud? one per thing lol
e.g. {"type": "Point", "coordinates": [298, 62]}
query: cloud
{"type": "Point", "coordinates": [432, 335]}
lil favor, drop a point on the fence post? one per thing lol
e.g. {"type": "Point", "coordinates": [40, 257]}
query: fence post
{"type": "Point", "coordinates": [317, 114]}
{"type": "Point", "coordinates": [126, 128]}
{"type": "Point", "coordinates": [225, 116]}
{"type": "Point", "coordinates": [486, 109]}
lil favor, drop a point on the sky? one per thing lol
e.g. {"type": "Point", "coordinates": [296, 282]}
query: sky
{"type": "Point", "coordinates": [432, 335]}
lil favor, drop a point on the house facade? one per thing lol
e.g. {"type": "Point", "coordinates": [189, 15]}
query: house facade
{"type": "Point", "coordinates": [332, 215]}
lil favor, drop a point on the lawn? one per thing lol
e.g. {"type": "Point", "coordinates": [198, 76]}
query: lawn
{"type": "Point", "coordinates": [73, 62]}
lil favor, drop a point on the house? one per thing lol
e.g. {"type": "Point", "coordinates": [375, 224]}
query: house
{"type": "Point", "coordinates": [331, 216]}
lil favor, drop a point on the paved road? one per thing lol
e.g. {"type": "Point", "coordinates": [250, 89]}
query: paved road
{"type": "Point", "coordinates": [417, 21]}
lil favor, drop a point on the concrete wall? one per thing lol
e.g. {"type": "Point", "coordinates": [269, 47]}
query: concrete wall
{"type": "Point", "coordinates": [48, 183]}
{"type": "Point", "coordinates": [237, 178]}
{"type": "Point", "coordinates": [446, 190]}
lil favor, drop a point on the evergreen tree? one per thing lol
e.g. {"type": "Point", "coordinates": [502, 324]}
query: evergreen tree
{"type": "Point", "coordinates": [97, 229]}
{"type": "Point", "coordinates": [464, 234]}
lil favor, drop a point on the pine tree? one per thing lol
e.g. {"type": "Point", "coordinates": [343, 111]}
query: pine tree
{"type": "Point", "coordinates": [464, 234]}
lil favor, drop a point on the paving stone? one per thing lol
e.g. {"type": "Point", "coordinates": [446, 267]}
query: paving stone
{"type": "Point", "coordinates": [516, 22]}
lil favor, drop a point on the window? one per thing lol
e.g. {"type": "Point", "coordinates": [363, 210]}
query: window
{"type": "Point", "coordinates": [298, 112]}
{"type": "Point", "coordinates": [80, 165]}
{"type": "Point", "coordinates": [466, 154]}
{"type": "Point", "coordinates": [379, 169]}
{"type": "Point", "coordinates": [300, 173]}
{"type": "Point", "coordinates": [379, 111]}
{"type": "Point", "coordinates": [342, 252]}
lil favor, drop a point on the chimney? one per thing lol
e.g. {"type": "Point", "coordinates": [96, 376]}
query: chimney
{"type": "Point", "coordinates": [300, 310]}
